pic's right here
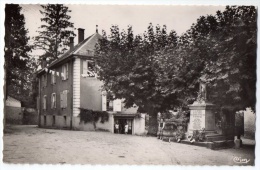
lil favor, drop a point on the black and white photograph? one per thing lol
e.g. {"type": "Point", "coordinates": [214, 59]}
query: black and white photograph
{"type": "Point", "coordinates": [115, 84]}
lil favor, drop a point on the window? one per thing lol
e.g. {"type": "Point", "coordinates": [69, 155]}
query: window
{"type": "Point", "coordinates": [109, 104]}
{"type": "Point", "coordinates": [89, 68]}
{"type": "Point", "coordinates": [63, 99]}
{"type": "Point", "coordinates": [107, 101]}
{"type": "Point", "coordinates": [65, 72]}
{"type": "Point", "coordinates": [104, 100]}
{"type": "Point", "coordinates": [53, 100]}
{"type": "Point", "coordinates": [44, 80]}
{"type": "Point", "coordinates": [65, 120]}
{"type": "Point", "coordinates": [53, 77]}
{"type": "Point", "coordinates": [53, 120]}
{"type": "Point", "coordinates": [44, 107]}
{"type": "Point", "coordinates": [44, 121]}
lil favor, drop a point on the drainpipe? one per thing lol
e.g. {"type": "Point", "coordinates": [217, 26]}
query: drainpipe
{"type": "Point", "coordinates": [40, 101]}
{"type": "Point", "coordinates": [71, 113]}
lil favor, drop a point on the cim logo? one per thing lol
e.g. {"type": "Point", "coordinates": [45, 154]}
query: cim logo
{"type": "Point", "coordinates": [241, 160]}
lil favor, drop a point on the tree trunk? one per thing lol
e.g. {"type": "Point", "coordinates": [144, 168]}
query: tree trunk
{"type": "Point", "coordinates": [153, 122]}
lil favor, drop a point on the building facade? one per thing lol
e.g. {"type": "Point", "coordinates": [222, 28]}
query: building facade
{"type": "Point", "coordinates": [13, 111]}
{"type": "Point", "coordinates": [12, 102]}
{"type": "Point", "coordinates": [70, 83]}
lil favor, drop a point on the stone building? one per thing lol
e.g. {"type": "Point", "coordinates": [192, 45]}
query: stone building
{"type": "Point", "coordinates": [13, 111]}
{"type": "Point", "coordinates": [70, 83]}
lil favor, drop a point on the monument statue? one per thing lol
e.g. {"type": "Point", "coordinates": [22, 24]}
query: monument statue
{"type": "Point", "coordinates": [202, 114]}
{"type": "Point", "coordinates": [202, 92]}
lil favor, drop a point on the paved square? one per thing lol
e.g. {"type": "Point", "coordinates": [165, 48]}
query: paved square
{"type": "Point", "coordinates": [30, 144]}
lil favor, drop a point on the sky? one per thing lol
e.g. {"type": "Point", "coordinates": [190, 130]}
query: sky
{"type": "Point", "coordinates": [178, 18]}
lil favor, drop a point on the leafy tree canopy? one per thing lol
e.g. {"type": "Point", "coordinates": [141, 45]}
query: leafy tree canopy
{"type": "Point", "coordinates": [129, 68]}
{"type": "Point", "coordinates": [157, 71]}
{"type": "Point", "coordinates": [221, 51]}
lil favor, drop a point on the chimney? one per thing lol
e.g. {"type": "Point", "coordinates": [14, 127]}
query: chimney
{"type": "Point", "coordinates": [71, 44]}
{"type": "Point", "coordinates": [81, 34]}
{"type": "Point", "coordinates": [43, 62]}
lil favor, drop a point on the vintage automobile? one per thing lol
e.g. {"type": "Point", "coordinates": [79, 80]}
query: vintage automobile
{"type": "Point", "coordinates": [173, 129]}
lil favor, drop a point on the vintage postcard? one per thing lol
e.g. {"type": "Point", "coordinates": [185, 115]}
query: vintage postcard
{"type": "Point", "coordinates": [129, 84]}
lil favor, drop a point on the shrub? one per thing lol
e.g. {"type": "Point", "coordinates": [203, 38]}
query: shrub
{"type": "Point", "coordinates": [87, 115]}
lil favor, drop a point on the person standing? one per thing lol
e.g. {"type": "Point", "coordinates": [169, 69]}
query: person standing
{"type": "Point", "coordinates": [161, 127]}
{"type": "Point", "coordinates": [126, 128]}
{"type": "Point", "coordinates": [117, 127]}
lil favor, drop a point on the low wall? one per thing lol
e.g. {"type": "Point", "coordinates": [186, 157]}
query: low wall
{"type": "Point", "coordinates": [139, 125]}
{"type": "Point", "coordinates": [13, 115]}
{"type": "Point", "coordinates": [30, 116]}
{"type": "Point", "coordinates": [89, 126]}
{"type": "Point", "coordinates": [249, 124]}
{"type": "Point", "coordinates": [54, 121]}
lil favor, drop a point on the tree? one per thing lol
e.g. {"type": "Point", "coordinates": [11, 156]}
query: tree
{"type": "Point", "coordinates": [233, 74]}
{"type": "Point", "coordinates": [54, 33]}
{"type": "Point", "coordinates": [129, 69]}
{"type": "Point", "coordinates": [183, 65]}
{"type": "Point", "coordinates": [220, 49]}
{"type": "Point", "coordinates": [158, 71]}
{"type": "Point", "coordinates": [16, 53]}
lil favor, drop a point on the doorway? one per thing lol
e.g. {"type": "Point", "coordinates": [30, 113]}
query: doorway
{"type": "Point", "coordinates": [122, 122]}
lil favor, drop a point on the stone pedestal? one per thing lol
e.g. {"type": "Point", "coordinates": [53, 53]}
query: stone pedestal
{"type": "Point", "coordinates": [202, 116]}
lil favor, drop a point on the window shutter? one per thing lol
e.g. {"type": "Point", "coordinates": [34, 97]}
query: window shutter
{"type": "Point", "coordinates": [53, 77]}
{"type": "Point", "coordinates": [43, 105]}
{"type": "Point", "coordinates": [42, 81]}
{"type": "Point", "coordinates": [61, 99]}
{"type": "Point", "coordinates": [38, 103]}
{"type": "Point", "coordinates": [85, 67]}
{"type": "Point", "coordinates": [66, 98]}
{"type": "Point", "coordinates": [104, 101]}
{"type": "Point", "coordinates": [117, 105]}
{"type": "Point", "coordinates": [67, 71]}
{"type": "Point", "coordinates": [54, 100]}
{"type": "Point", "coordinates": [62, 72]}
{"type": "Point", "coordinates": [46, 77]}
{"type": "Point", "coordinates": [44, 102]}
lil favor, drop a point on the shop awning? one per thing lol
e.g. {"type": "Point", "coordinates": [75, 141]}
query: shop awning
{"type": "Point", "coordinates": [122, 115]}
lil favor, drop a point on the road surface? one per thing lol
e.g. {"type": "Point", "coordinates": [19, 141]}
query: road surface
{"type": "Point", "coordinates": [30, 144]}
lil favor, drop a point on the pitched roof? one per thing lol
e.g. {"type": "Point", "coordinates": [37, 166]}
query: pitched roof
{"type": "Point", "coordinates": [10, 98]}
{"type": "Point", "coordinates": [88, 43]}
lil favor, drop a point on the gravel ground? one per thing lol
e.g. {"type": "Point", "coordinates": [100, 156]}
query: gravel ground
{"type": "Point", "coordinates": [29, 144]}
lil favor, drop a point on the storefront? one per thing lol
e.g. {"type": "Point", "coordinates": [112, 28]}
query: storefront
{"type": "Point", "coordinates": [122, 120]}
